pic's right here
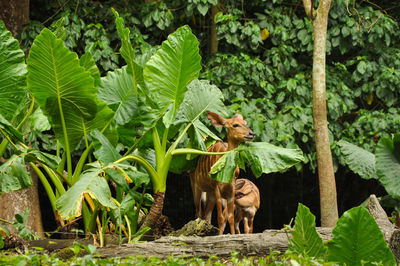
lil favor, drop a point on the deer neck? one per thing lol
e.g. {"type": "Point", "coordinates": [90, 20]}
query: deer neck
{"type": "Point", "coordinates": [232, 145]}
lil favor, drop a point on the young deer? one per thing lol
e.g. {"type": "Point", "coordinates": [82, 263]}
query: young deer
{"type": "Point", "coordinates": [215, 191]}
{"type": "Point", "coordinates": [247, 202]}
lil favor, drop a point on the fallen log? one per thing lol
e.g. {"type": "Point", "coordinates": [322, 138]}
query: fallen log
{"type": "Point", "coordinates": [260, 244]}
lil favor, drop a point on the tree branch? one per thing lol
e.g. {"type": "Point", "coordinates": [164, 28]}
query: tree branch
{"type": "Point", "coordinates": [308, 7]}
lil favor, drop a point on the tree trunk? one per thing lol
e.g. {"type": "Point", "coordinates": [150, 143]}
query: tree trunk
{"type": "Point", "coordinates": [213, 33]}
{"type": "Point", "coordinates": [327, 185]}
{"type": "Point", "coordinates": [155, 211]}
{"type": "Point", "coordinates": [16, 202]}
{"type": "Point", "coordinates": [14, 13]}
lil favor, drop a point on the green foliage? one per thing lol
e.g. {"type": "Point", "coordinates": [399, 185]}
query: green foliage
{"type": "Point", "coordinates": [268, 81]}
{"type": "Point", "coordinates": [357, 239]}
{"type": "Point", "coordinates": [388, 164]}
{"type": "Point", "coordinates": [69, 204]}
{"type": "Point", "coordinates": [116, 90]}
{"type": "Point", "coordinates": [12, 73]}
{"type": "Point", "coordinates": [384, 165]}
{"type": "Point", "coordinates": [305, 239]}
{"type": "Point", "coordinates": [360, 161]}
{"type": "Point", "coordinates": [66, 93]}
{"type": "Point", "coordinates": [13, 175]}
{"type": "Point", "coordinates": [262, 158]}
{"type": "Point", "coordinates": [171, 69]}
{"type": "Point", "coordinates": [20, 224]}
{"type": "Point", "coordinates": [271, 85]}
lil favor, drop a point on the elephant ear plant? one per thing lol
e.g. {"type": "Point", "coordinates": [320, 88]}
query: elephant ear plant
{"type": "Point", "coordinates": [168, 84]}
{"type": "Point", "coordinates": [64, 87]}
{"type": "Point", "coordinates": [357, 239]}
{"type": "Point", "coordinates": [17, 107]}
{"type": "Point", "coordinates": [153, 106]}
{"type": "Point", "coordinates": [384, 166]}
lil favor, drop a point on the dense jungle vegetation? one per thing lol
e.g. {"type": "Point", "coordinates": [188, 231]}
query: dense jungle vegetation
{"type": "Point", "coordinates": [262, 62]}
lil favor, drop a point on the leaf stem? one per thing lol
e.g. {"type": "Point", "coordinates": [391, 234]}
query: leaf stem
{"type": "Point", "coordinates": [55, 180]}
{"type": "Point", "coordinates": [3, 147]}
{"type": "Point", "coordinates": [8, 139]}
{"type": "Point", "coordinates": [46, 186]}
{"type": "Point", "coordinates": [158, 149]}
{"type": "Point", "coordinates": [133, 147]}
{"type": "Point", "coordinates": [194, 151]}
{"type": "Point", "coordinates": [30, 110]}
{"type": "Point", "coordinates": [155, 179]}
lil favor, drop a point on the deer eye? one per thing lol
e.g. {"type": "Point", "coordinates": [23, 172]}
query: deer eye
{"type": "Point", "coordinates": [235, 125]}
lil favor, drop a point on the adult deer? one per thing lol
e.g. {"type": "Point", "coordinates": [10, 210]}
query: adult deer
{"type": "Point", "coordinates": [247, 202]}
{"type": "Point", "coordinates": [216, 191]}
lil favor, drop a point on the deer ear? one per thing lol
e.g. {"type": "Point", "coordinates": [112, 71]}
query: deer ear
{"type": "Point", "coordinates": [238, 116]}
{"type": "Point", "coordinates": [216, 120]}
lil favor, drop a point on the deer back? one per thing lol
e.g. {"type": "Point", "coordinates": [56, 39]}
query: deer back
{"type": "Point", "coordinates": [246, 194]}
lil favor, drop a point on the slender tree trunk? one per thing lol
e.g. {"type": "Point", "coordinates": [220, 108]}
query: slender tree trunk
{"type": "Point", "coordinates": [327, 184]}
{"type": "Point", "coordinates": [213, 33]}
{"type": "Point", "coordinates": [14, 13]}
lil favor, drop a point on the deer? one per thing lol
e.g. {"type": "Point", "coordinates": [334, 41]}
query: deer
{"type": "Point", "coordinates": [247, 202]}
{"type": "Point", "coordinates": [209, 191]}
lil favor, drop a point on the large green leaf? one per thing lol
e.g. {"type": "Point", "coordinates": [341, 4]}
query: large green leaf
{"type": "Point", "coordinates": [388, 164]}
{"type": "Point", "coordinates": [197, 134]}
{"type": "Point", "coordinates": [70, 203]}
{"type": "Point", "coordinates": [144, 109]}
{"type": "Point", "coordinates": [78, 126]}
{"type": "Point", "coordinates": [39, 121]}
{"type": "Point", "coordinates": [89, 64]}
{"type": "Point", "coordinates": [64, 90]}
{"type": "Point", "coordinates": [116, 89]}
{"type": "Point", "coordinates": [360, 161]}
{"type": "Point", "coordinates": [32, 155]}
{"type": "Point", "coordinates": [267, 158]}
{"type": "Point", "coordinates": [261, 156]}
{"type": "Point", "coordinates": [9, 130]}
{"type": "Point", "coordinates": [13, 175]}
{"type": "Point", "coordinates": [12, 73]}
{"type": "Point", "coordinates": [104, 150]}
{"type": "Point", "coordinates": [305, 239]}
{"type": "Point", "coordinates": [357, 239]}
{"type": "Point", "coordinates": [201, 97]}
{"type": "Point", "coordinates": [224, 168]}
{"type": "Point", "coordinates": [127, 52]}
{"type": "Point", "coordinates": [171, 69]}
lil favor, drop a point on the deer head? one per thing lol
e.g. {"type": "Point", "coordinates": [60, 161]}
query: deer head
{"type": "Point", "coordinates": [238, 131]}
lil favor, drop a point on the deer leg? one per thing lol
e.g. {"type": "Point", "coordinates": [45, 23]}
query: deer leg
{"type": "Point", "coordinates": [251, 220]}
{"type": "Point", "coordinates": [238, 218]}
{"type": "Point", "coordinates": [197, 202]}
{"type": "Point", "coordinates": [225, 214]}
{"type": "Point", "coordinates": [237, 229]}
{"type": "Point", "coordinates": [231, 216]}
{"type": "Point", "coordinates": [220, 214]}
{"type": "Point", "coordinates": [246, 225]}
{"type": "Point", "coordinates": [209, 206]}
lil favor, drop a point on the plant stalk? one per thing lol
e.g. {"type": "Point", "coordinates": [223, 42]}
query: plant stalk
{"type": "Point", "coordinates": [46, 186]}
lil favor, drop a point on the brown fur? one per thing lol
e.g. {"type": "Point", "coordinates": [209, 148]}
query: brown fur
{"type": "Point", "coordinates": [247, 202]}
{"type": "Point", "coordinates": [206, 189]}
